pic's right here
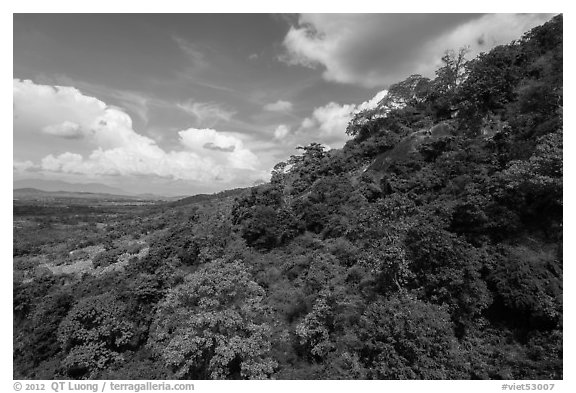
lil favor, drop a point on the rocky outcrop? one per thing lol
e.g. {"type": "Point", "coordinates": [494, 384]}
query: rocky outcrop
{"type": "Point", "coordinates": [375, 173]}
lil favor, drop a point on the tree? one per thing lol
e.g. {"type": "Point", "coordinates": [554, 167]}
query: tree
{"type": "Point", "coordinates": [259, 227]}
{"type": "Point", "coordinates": [314, 331]}
{"type": "Point", "coordinates": [93, 335]}
{"type": "Point", "coordinates": [447, 272]}
{"type": "Point", "coordinates": [452, 72]}
{"type": "Point", "coordinates": [527, 284]}
{"type": "Point", "coordinates": [405, 338]}
{"type": "Point", "coordinates": [211, 326]}
{"type": "Point", "coordinates": [489, 85]}
{"type": "Point", "coordinates": [365, 123]}
{"type": "Point", "coordinates": [445, 86]}
{"type": "Point", "coordinates": [412, 91]}
{"type": "Point", "coordinates": [536, 185]}
{"type": "Point", "coordinates": [409, 95]}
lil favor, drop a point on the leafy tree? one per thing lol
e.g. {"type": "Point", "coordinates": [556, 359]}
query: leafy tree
{"type": "Point", "coordinates": [528, 287]}
{"type": "Point", "coordinates": [36, 342]}
{"type": "Point", "coordinates": [447, 272]}
{"type": "Point", "coordinates": [490, 85]}
{"type": "Point", "coordinates": [405, 338]}
{"type": "Point", "coordinates": [539, 179]}
{"type": "Point", "coordinates": [452, 72]}
{"type": "Point", "coordinates": [93, 335]}
{"type": "Point", "coordinates": [413, 91]}
{"type": "Point", "coordinates": [211, 326]}
{"type": "Point", "coordinates": [314, 331]}
{"type": "Point", "coordinates": [259, 227]}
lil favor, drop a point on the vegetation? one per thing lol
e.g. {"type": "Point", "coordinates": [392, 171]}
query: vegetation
{"type": "Point", "coordinates": [429, 247]}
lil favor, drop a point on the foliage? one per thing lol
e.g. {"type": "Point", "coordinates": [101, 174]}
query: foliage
{"type": "Point", "coordinates": [93, 335]}
{"type": "Point", "coordinates": [210, 326]}
{"type": "Point", "coordinates": [406, 338]}
{"type": "Point", "coordinates": [428, 247]}
{"type": "Point", "coordinates": [447, 271]}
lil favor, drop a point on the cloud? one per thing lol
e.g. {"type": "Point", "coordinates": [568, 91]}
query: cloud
{"type": "Point", "coordinates": [66, 129]}
{"type": "Point", "coordinates": [192, 51]}
{"type": "Point", "coordinates": [228, 150]}
{"type": "Point", "coordinates": [332, 119]}
{"type": "Point", "coordinates": [114, 148]}
{"type": "Point", "coordinates": [38, 106]}
{"type": "Point", "coordinates": [281, 132]}
{"type": "Point", "coordinates": [373, 102]}
{"type": "Point", "coordinates": [206, 113]}
{"type": "Point", "coordinates": [23, 166]}
{"type": "Point", "coordinates": [194, 161]}
{"type": "Point", "coordinates": [279, 106]}
{"type": "Point", "coordinates": [135, 102]}
{"type": "Point", "coordinates": [375, 50]}
{"type": "Point", "coordinates": [212, 146]}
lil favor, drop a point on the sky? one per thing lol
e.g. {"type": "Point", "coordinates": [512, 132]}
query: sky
{"type": "Point", "coordinates": [180, 104]}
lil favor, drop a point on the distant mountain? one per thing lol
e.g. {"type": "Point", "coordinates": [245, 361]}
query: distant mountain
{"type": "Point", "coordinates": [58, 185]}
{"type": "Point", "coordinates": [159, 197]}
{"type": "Point", "coordinates": [33, 193]}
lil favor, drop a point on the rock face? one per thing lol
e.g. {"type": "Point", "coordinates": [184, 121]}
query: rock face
{"type": "Point", "coordinates": [376, 171]}
{"type": "Point", "coordinates": [410, 145]}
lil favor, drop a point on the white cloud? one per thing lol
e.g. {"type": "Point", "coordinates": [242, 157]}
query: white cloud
{"type": "Point", "coordinates": [39, 106]}
{"type": "Point", "coordinates": [115, 148]}
{"type": "Point", "coordinates": [373, 102]}
{"type": "Point", "coordinates": [22, 166]}
{"type": "Point", "coordinates": [307, 123]}
{"type": "Point", "coordinates": [66, 129]}
{"type": "Point", "coordinates": [226, 148]}
{"type": "Point", "coordinates": [279, 106]}
{"type": "Point", "coordinates": [380, 49]}
{"type": "Point", "coordinates": [332, 119]}
{"type": "Point", "coordinates": [206, 112]}
{"type": "Point", "coordinates": [281, 132]}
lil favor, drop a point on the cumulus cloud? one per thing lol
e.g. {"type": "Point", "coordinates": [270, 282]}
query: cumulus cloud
{"type": "Point", "coordinates": [23, 166]}
{"type": "Point", "coordinates": [39, 106]}
{"type": "Point", "coordinates": [228, 149]}
{"type": "Point", "coordinates": [115, 148]}
{"type": "Point", "coordinates": [206, 113]}
{"type": "Point", "coordinates": [330, 121]}
{"type": "Point", "coordinates": [224, 161]}
{"type": "Point", "coordinates": [279, 106]}
{"type": "Point", "coordinates": [66, 129]}
{"type": "Point", "coordinates": [281, 132]}
{"type": "Point", "coordinates": [380, 49]}
{"type": "Point", "coordinates": [212, 146]}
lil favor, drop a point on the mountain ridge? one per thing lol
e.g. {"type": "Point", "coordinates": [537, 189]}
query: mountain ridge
{"type": "Point", "coordinates": [63, 186]}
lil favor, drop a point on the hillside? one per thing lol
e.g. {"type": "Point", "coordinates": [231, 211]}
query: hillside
{"type": "Point", "coordinates": [428, 247]}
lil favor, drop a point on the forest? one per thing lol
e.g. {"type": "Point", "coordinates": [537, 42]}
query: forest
{"type": "Point", "coordinates": [428, 247]}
